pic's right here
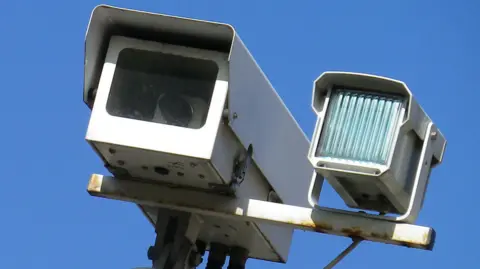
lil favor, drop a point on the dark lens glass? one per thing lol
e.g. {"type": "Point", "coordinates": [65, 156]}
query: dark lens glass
{"type": "Point", "coordinates": [162, 88]}
{"type": "Point", "coordinates": [175, 110]}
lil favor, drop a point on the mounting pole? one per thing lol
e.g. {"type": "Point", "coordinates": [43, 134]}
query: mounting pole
{"type": "Point", "coordinates": [343, 254]}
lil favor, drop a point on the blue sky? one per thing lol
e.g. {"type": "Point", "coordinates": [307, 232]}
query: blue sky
{"type": "Point", "coordinates": [49, 221]}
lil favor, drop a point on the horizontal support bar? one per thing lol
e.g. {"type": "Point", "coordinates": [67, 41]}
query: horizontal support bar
{"type": "Point", "coordinates": [325, 221]}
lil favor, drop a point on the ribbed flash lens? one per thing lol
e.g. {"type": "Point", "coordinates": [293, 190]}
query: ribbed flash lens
{"type": "Point", "coordinates": [360, 126]}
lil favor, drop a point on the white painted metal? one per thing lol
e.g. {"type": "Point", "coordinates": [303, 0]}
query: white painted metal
{"type": "Point", "coordinates": [419, 146]}
{"type": "Point", "coordinates": [319, 220]}
{"type": "Point", "coordinates": [257, 114]}
{"type": "Point", "coordinates": [139, 144]}
{"type": "Point", "coordinates": [231, 233]}
{"type": "Point", "coordinates": [280, 146]}
{"type": "Point", "coordinates": [198, 157]}
{"type": "Point", "coordinates": [265, 241]}
{"type": "Point", "coordinates": [315, 189]}
{"type": "Point", "coordinates": [268, 242]}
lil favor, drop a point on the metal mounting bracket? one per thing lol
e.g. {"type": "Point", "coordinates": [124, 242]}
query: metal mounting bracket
{"type": "Point", "coordinates": [320, 220]}
{"type": "Point", "coordinates": [175, 241]}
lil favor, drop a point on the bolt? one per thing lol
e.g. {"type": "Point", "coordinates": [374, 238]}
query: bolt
{"type": "Point", "coordinates": [120, 162]}
{"type": "Point", "coordinates": [235, 115]}
{"type": "Point", "coordinates": [112, 150]}
{"type": "Point", "coordinates": [225, 113]}
{"type": "Point", "coordinates": [433, 135]}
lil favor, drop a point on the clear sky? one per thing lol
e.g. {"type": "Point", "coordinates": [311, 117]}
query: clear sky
{"type": "Point", "coordinates": [49, 221]}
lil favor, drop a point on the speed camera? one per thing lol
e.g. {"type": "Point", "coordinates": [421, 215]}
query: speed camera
{"type": "Point", "coordinates": [373, 143]}
{"type": "Point", "coordinates": [182, 102]}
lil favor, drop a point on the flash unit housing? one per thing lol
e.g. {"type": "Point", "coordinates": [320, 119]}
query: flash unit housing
{"type": "Point", "coordinates": [373, 143]}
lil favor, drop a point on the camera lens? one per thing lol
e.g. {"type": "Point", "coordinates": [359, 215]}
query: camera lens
{"type": "Point", "coordinates": [175, 109]}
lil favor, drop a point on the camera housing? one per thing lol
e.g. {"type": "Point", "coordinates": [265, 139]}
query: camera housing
{"type": "Point", "coordinates": [157, 112]}
{"type": "Point", "coordinates": [373, 143]}
{"type": "Point", "coordinates": [182, 102]}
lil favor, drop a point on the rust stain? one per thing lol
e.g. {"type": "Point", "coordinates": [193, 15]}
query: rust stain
{"type": "Point", "coordinates": [323, 227]}
{"type": "Point", "coordinates": [317, 227]}
{"type": "Point", "coordinates": [302, 223]}
{"type": "Point", "coordinates": [352, 232]}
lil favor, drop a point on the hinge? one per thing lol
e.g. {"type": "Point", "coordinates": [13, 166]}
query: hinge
{"type": "Point", "coordinates": [240, 166]}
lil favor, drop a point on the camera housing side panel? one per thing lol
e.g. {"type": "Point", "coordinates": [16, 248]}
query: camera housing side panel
{"type": "Point", "coordinates": [259, 117]}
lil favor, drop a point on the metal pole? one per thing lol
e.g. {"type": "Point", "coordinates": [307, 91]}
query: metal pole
{"type": "Point", "coordinates": [344, 253]}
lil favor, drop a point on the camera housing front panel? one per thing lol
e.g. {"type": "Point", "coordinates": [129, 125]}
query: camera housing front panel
{"type": "Point", "coordinates": [158, 109]}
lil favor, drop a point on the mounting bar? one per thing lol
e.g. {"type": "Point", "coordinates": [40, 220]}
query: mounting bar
{"type": "Point", "coordinates": [327, 221]}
